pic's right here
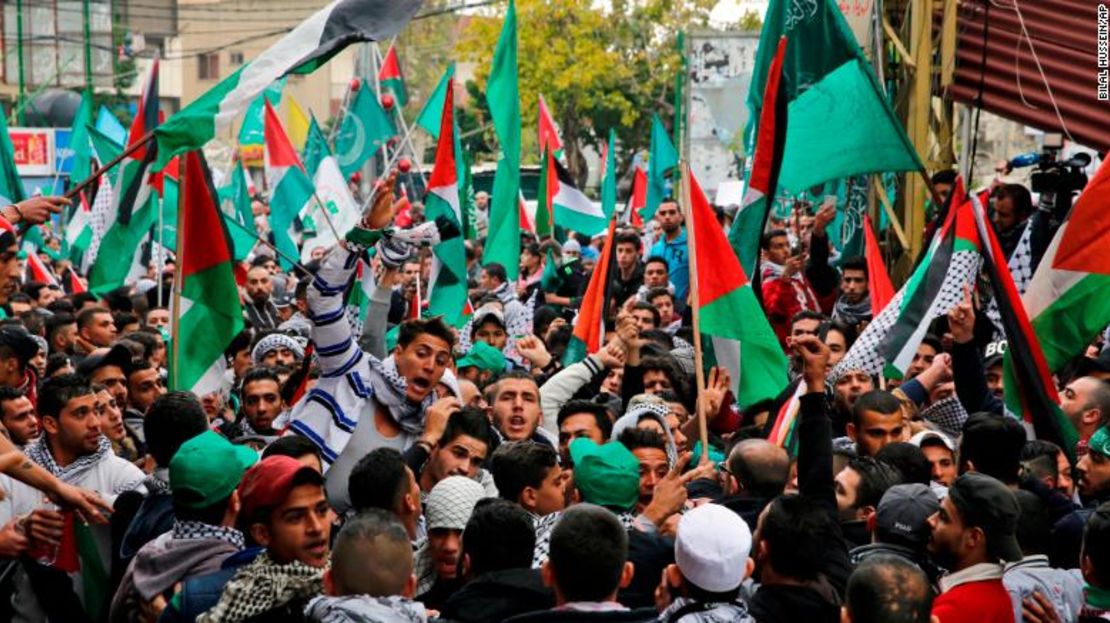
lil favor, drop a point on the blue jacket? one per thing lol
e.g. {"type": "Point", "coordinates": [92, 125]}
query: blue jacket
{"type": "Point", "coordinates": [154, 517]}
{"type": "Point", "coordinates": [678, 264]}
{"type": "Point", "coordinates": [198, 595]}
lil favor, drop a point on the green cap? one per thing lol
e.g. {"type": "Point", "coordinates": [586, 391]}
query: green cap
{"type": "Point", "coordinates": [607, 475]}
{"type": "Point", "coordinates": [207, 468]}
{"type": "Point", "coordinates": [484, 357]}
{"type": "Point", "coordinates": [1100, 441]}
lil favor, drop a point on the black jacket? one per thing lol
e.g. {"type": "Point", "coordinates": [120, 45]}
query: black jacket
{"type": "Point", "coordinates": [498, 595]}
{"type": "Point", "coordinates": [642, 615]}
{"type": "Point", "coordinates": [793, 604]}
{"type": "Point", "coordinates": [746, 506]}
{"type": "Point", "coordinates": [820, 601]}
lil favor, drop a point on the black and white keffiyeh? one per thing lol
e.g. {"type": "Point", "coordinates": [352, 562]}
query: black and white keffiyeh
{"type": "Point", "coordinates": [198, 530]}
{"type": "Point", "coordinates": [39, 452]}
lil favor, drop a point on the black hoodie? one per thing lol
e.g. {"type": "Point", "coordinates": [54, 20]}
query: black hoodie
{"type": "Point", "coordinates": [498, 595]}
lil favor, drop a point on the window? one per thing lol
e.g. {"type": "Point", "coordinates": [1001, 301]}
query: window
{"type": "Point", "coordinates": [236, 58]}
{"type": "Point", "coordinates": [208, 66]}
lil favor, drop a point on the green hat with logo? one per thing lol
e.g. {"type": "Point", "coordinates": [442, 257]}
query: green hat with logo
{"type": "Point", "coordinates": [484, 357]}
{"type": "Point", "coordinates": [207, 468]}
{"type": "Point", "coordinates": [607, 475]}
{"type": "Point", "coordinates": [1100, 441]}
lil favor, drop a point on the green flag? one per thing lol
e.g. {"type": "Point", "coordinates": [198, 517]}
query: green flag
{"type": "Point", "coordinates": [428, 119]}
{"type": "Point", "coordinates": [250, 133]}
{"type": "Point", "coordinates": [315, 147]}
{"type": "Point", "coordinates": [609, 177]}
{"type": "Point", "coordinates": [550, 280]}
{"type": "Point", "coordinates": [503, 97]}
{"type": "Point", "coordinates": [235, 204]}
{"type": "Point", "coordinates": [105, 149]}
{"type": "Point", "coordinates": [365, 128]}
{"type": "Point", "coordinates": [663, 158]}
{"type": "Point", "coordinates": [470, 230]}
{"type": "Point", "coordinates": [840, 123]}
{"type": "Point", "coordinates": [79, 140]}
{"type": "Point", "coordinates": [11, 187]}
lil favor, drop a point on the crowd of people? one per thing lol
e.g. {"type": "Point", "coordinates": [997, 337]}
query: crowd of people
{"type": "Point", "coordinates": [393, 468]}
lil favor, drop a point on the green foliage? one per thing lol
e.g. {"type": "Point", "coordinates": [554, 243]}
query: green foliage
{"type": "Point", "coordinates": [597, 69]}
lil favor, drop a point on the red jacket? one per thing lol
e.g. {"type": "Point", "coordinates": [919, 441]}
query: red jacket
{"type": "Point", "coordinates": [975, 602]}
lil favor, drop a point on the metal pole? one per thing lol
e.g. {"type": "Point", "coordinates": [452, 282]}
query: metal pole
{"type": "Point", "coordinates": [88, 62]}
{"type": "Point", "coordinates": [679, 83]}
{"type": "Point", "coordinates": [19, 39]}
{"type": "Point", "coordinates": [161, 262]}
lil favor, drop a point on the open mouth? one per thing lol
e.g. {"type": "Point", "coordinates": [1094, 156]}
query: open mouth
{"type": "Point", "coordinates": [319, 549]}
{"type": "Point", "coordinates": [420, 384]}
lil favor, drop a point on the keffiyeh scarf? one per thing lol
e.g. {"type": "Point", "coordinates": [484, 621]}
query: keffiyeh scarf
{"type": "Point", "coordinates": [183, 530]}
{"type": "Point", "coordinates": [261, 585]}
{"type": "Point", "coordinates": [39, 452]}
{"type": "Point", "coordinates": [389, 389]}
{"type": "Point", "coordinates": [852, 313]}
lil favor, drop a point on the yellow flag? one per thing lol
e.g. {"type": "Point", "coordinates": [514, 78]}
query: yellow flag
{"type": "Point", "coordinates": [296, 124]}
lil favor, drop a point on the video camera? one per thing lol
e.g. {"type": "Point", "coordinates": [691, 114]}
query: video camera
{"type": "Point", "coordinates": [1055, 181]}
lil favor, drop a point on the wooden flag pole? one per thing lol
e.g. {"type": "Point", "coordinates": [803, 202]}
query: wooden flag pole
{"type": "Point", "coordinates": [699, 371]}
{"type": "Point", "coordinates": [83, 184]}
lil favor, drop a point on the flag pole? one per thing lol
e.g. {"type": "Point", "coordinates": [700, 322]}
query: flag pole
{"type": "Point", "coordinates": [178, 278]}
{"type": "Point", "coordinates": [699, 371]}
{"type": "Point", "coordinates": [407, 136]}
{"type": "Point", "coordinates": [297, 265]}
{"type": "Point", "coordinates": [83, 184]}
{"type": "Point", "coordinates": [162, 246]}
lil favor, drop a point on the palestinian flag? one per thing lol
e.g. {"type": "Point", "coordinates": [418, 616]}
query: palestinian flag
{"type": "Point", "coordinates": [78, 555]}
{"type": "Point", "coordinates": [447, 295]}
{"type": "Point", "coordinates": [545, 197]}
{"type": "Point", "coordinates": [289, 184]}
{"type": "Point", "coordinates": [74, 283]}
{"type": "Point", "coordinates": [79, 232]}
{"type": "Point", "coordinates": [589, 325]}
{"type": "Point", "coordinates": [1029, 389]}
{"type": "Point", "coordinates": [429, 116]}
{"type": "Point", "coordinates": [305, 49]}
{"type": "Point", "coordinates": [134, 207]}
{"type": "Point", "coordinates": [763, 180]}
{"type": "Point", "coordinates": [573, 210]}
{"type": "Point", "coordinates": [878, 280]}
{"type": "Point", "coordinates": [637, 199]}
{"type": "Point", "coordinates": [786, 420]}
{"type": "Point", "coordinates": [527, 215]}
{"type": "Point", "coordinates": [548, 133]}
{"type": "Point", "coordinates": [1066, 300]}
{"type": "Point", "coordinates": [749, 350]}
{"type": "Point", "coordinates": [951, 262]}
{"type": "Point", "coordinates": [38, 272]}
{"type": "Point", "coordinates": [391, 79]}
{"type": "Point", "coordinates": [210, 315]}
